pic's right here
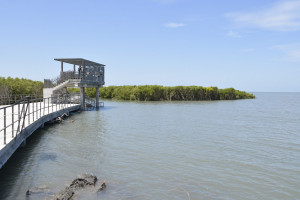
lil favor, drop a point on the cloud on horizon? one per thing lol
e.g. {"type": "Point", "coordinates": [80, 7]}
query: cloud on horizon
{"type": "Point", "coordinates": [281, 16]}
{"type": "Point", "coordinates": [174, 25]}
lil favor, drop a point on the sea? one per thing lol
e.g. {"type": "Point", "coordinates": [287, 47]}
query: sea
{"type": "Point", "coordinates": [233, 149]}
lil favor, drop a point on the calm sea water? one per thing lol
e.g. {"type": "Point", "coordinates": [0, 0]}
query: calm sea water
{"type": "Point", "coordinates": [245, 149]}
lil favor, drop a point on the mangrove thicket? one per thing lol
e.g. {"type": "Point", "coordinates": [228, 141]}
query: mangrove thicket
{"type": "Point", "coordinates": [163, 93]}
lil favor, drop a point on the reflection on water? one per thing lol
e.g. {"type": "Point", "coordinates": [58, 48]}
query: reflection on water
{"type": "Point", "coordinates": [246, 149]}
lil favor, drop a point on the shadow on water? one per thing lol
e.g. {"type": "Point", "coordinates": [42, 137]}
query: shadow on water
{"type": "Point", "coordinates": [14, 167]}
{"type": "Point", "coordinates": [101, 109]}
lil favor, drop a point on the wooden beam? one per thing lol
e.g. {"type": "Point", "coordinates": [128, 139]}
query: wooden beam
{"type": "Point", "coordinates": [62, 66]}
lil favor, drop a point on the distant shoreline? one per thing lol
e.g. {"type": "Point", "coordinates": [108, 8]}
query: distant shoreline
{"type": "Point", "coordinates": [163, 93]}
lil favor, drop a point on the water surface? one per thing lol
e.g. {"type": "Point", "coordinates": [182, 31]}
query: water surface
{"type": "Point", "coordinates": [245, 149]}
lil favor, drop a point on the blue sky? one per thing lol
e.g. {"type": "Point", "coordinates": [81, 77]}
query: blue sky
{"type": "Point", "coordinates": [251, 45]}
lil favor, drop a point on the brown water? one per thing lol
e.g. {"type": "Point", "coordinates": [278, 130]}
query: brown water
{"type": "Point", "coordinates": [246, 149]}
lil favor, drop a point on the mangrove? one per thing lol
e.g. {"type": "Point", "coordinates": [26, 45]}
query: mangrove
{"type": "Point", "coordinates": [164, 93]}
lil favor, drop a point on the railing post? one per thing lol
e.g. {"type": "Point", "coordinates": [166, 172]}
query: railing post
{"type": "Point", "coordinates": [12, 121]}
{"type": "Point", "coordinates": [18, 111]}
{"type": "Point", "coordinates": [37, 109]}
{"type": "Point", "coordinates": [18, 117]}
{"type": "Point", "coordinates": [28, 112]}
{"type": "Point", "coordinates": [4, 125]}
{"type": "Point", "coordinates": [32, 111]}
{"type": "Point", "coordinates": [40, 108]}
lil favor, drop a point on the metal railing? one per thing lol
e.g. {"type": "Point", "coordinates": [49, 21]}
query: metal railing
{"type": "Point", "coordinates": [91, 102]}
{"type": "Point", "coordinates": [11, 99]}
{"type": "Point", "coordinates": [64, 76]}
{"type": "Point", "coordinates": [14, 118]}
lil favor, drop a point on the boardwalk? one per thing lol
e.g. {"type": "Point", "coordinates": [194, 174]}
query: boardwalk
{"type": "Point", "coordinates": [19, 121]}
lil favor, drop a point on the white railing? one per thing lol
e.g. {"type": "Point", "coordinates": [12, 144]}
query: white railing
{"type": "Point", "coordinates": [14, 118]}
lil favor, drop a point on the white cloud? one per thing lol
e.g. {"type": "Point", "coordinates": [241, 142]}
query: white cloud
{"type": "Point", "coordinates": [174, 25]}
{"type": "Point", "coordinates": [233, 34]}
{"type": "Point", "coordinates": [291, 52]}
{"type": "Point", "coordinates": [282, 16]}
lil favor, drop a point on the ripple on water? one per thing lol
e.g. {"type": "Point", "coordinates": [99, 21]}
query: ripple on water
{"type": "Point", "coordinates": [159, 150]}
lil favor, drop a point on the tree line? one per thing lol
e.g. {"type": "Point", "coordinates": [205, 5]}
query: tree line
{"type": "Point", "coordinates": [162, 93]}
{"type": "Point", "coordinates": [11, 87]}
{"type": "Point", "coordinates": [16, 88]}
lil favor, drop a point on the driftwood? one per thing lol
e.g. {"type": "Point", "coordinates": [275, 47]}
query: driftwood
{"type": "Point", "coordinates": [38, 190]}
{"type": "Point", "coordinates": [61, 118]}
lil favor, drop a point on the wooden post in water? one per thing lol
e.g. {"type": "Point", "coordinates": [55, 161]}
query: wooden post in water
{"type": "Point", "coordinates": [97, 97]}
{"type": "Point", "coordinates": [82, 98]}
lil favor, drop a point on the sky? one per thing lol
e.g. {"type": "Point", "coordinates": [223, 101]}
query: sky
{"type": "Point", "coordinates": [250, 45]}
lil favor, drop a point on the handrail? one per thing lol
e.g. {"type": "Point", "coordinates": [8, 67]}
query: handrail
{"type": "Point", "coordinates": [28, 111]}
{"type": "Point", "coordinates": [12, 99]}
{"type": "Point", "coordinates": [64, 76]}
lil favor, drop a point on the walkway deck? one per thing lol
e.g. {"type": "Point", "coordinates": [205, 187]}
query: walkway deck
{"type": "Point", "coordinates": [12, 131]}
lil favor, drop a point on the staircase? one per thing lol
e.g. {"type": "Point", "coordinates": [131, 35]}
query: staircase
{"type": "Point", "coordinates": [57, 90]}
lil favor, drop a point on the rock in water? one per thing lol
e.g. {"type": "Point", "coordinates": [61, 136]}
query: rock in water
{"type": "Point", "coordinates": [102, 187]}
{"type": "Point", "coordinates": [78, 183]}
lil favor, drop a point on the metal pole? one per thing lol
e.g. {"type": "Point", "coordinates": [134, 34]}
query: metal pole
{"type": "Point", "coordinates": [82, 98]}
{"type": "Point", "coordinates": [32, 111]}
{"type": "Point", "coordinates": [37, 109]}
{"type": "Point", "coordinates": [97, 97]}
{"type": "Point", "coordinates": [18, 111]}
{"type": "Point", "coordinates": [28, 112]}
{"type": "Point", "coordinates": [12, 120]}
{"type": "Point", "coordinates": [74, 71]}
{"type": "Point", "coordinates": [4, 125]}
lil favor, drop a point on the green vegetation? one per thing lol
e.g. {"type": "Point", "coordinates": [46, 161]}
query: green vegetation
{"type": "Point", "coordinates": [16, 87]}
{"type": "Point", "coordinates": [20, 86]}
{"type": "Point", "coordinates": [161, 93]}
